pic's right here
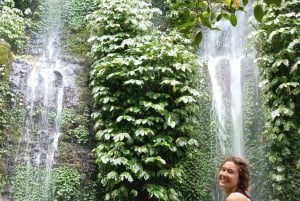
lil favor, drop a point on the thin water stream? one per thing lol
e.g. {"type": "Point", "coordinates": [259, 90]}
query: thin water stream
{"type": "Point", "coordinates": [43, 81]}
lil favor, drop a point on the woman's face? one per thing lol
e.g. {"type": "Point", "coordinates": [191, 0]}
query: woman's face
{"type": "Point", "coordinates": [229, 177]}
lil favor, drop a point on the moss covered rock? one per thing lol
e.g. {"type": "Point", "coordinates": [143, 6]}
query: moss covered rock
{"type": "Point", "coordinates": [5, 55]}
{"type": "Point", "coordinates": [5, 59]}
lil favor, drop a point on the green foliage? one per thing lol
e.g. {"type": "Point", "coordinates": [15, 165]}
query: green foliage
{"type": "Point", "coordinates": [74, 16]}
{"type": "Point", "coordinates": [111, 32]}
{"type": "Point", "coordinates": [198, 166]}
{"type": "Point", "coordinates": [278, 46]}
{"type": "Point", "coordinates": [28, 6]}
{"type": "Point", "coordinates": [76, 44]}
{"type": "Point", "coordinates": [255, 148]}
{"type": "Point", "coordinates": [259, 8]}
{"type": "Point", "coordinates": [28, 184]}
{"type": "Point", "coordinates": [12, 26]}
{"type": "Point", "coordinates": [89, 190]}
{"type": "Point", "coordinates": [143, 84]}
{"type": "Point", "coordinates": [80, 133]}
{"type": "Point", "coordinates": [75, 125]}
{"type": "Point", "coordinates": [10, 108]}
{"type": "Point", "coordinates": [199, 176]}
{"type": "Point", "coordinates": [3, 175]}
{"type": "Point", "coordinates": [190, 16]}
{"type": "Point", "coordinates": [74, 13]}
{"type": "Point", "coordinates": [3, 182]}
{"type": "Point", "coordinates": [5, 58]}
{"type": "Point", "coordinates": [67, 184]}
{"type": "Point", "coordinates": [35, 13]}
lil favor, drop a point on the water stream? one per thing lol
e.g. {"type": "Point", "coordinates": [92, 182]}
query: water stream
{"type": "Point", "coordinates": [42, 78]}
{"type": "Point", "coordinates": [227, 58]}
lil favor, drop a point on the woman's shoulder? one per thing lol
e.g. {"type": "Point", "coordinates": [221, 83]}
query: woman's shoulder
{"type": "Point", "coordinates": [236, 196]}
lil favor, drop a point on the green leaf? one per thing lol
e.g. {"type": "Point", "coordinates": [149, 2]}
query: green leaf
{"type": "Point", "coordinates": [182, 142]}
{"type": "Point", "coordinates": [121, 136]}
{"type": "Point", "coordinates": [143, 132]}
{"type": "Point", "coordinates": [157, 191]}
{"type": "Point", "coordinates": [198, 38]}
{"type": "Point", "coordinates": [141, 149]}
{"type": "Point", "coordinates": [289, 84]}
{"type": "Point", "coordinates": [278, 177]}
{"type": "Point", "coordinates": [171, 122]}
{"type": "Point", "coordinates": [125, 117]}
{"type": "Point", "coordinates": [119, 161]}
{"type": "Point", "coordinates": [155, 159]}
{"type": "Point", "coordinates": [166, 144]}
{"type": "Point", "coordinates": [134, 82]}
{"type": "Point", "coordinates": [295, 67]}
{"type": "Point", "coordinates": [219, 17]}
{"type": "Point", "coordinates": [171, 82]}
{"type": "Point", "coordinates": [185, 99]}
{"type": "Point", "coordinates": [204, 17]}
{"type": "Point", "coordinates": [245, 2]}
{"type": "Point", "coordinates": [126, 176]}
{"type": "Point", "coordinates": [258, 12]}
{"type": "Point", "coordinates": [134, 166]}
{"type": "Point", "coordinates": [176, 173]}
{"type": "Point", "coordinates": [143, 175]}
{"type": "Point", "coordinates": [225, 16]}
{"type": "Point", "coordinates": [157, 107]}
{"type": "Point", "coordinates": [193, 142]}
{"type": "Point", "coordinates": [112, 175]}
{"type": "Point", "coordinates": [143, 122]}
{"type": "Point", "coordinates": [186, 26]}
{"type": "Point", "coordinates": [233, 19]}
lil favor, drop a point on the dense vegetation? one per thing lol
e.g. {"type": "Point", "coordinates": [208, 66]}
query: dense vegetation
{"type": "Point", "coordinates": [12, 25]}
{"type": "Point", "coordinates": [145, 86]}
{"type": "Point", "coordinates": [278, 51]}
{"type": "Point", "coordinates": [150, 103]}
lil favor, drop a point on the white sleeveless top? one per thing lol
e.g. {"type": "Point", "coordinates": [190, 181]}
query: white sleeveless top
{"type": "Point", "coordinates": [237, 193]}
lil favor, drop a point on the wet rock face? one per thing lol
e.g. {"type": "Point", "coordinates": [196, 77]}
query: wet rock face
{"type": "Point", "coordinates": [19, 72]}
{"type": "Point", "coordinates": [39, 79]}
{"type": "Point", "coordinates": [39, 58]}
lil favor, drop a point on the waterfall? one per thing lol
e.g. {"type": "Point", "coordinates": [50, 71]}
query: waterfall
{"type": "Point", "coordinates": [42, 78]}
{"type": "Point", "coordinates": [227, 58]}
{"type": "Point", "coordinates": [235, 94]}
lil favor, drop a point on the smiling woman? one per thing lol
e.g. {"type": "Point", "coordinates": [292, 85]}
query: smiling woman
{"type": "Point", "coordinates": [234, 179]}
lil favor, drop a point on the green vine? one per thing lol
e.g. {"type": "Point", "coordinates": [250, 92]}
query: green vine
{"type": "Point", "coordinates": [144, 84]}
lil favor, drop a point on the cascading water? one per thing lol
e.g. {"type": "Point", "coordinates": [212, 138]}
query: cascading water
{"type": "Point", "coordinates": [225, 51]}
{"type": "Point", "coordinates": [234, 83]}
{"type": "Point", "coordinates": [43, 80]}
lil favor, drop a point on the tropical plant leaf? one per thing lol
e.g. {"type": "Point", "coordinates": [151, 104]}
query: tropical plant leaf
{"type": "Point", "coordinates": [258, 12]}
